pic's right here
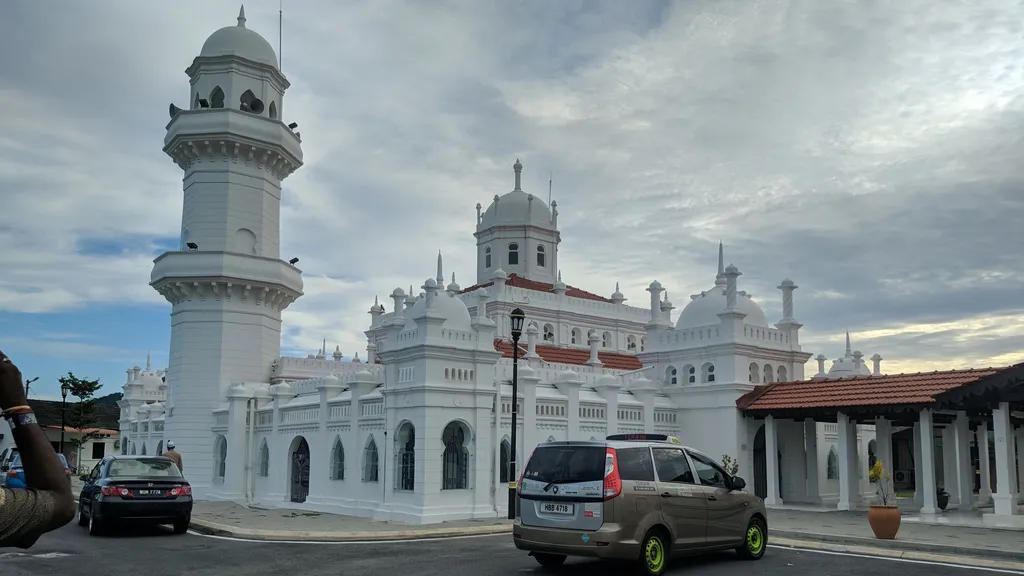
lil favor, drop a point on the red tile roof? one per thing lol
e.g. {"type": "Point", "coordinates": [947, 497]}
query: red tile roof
{"type": "Point", "coordinates": [517, 281]}
{"type": "Point", "coordinates": [856, 391]}
{"type": "Point", "coordinates": [578, 356]}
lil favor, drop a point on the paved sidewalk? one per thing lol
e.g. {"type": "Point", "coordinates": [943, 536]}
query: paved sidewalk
{"type": "Point", "coordinates": [791, 527]}
{"type": "Point", "coordinates": [277, 524]}
{"type": "Point", "coordinates": [851, 528]}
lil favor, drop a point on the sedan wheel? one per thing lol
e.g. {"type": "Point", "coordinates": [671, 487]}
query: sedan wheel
{"type": "Point", "coordinates": [95, 528]}
{"type": "Point", "coordinates": [83, 520]}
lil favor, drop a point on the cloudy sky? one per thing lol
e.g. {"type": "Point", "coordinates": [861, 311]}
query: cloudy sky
{"type": "Point", "coordinates": [869, 150]}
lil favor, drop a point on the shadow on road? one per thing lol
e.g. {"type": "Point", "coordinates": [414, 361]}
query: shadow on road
{"type": "Point", "coordinates": [685, 565]}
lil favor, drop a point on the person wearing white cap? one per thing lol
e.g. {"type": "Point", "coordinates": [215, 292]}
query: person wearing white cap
{"type": "Point", "coordinates": [174, 456]}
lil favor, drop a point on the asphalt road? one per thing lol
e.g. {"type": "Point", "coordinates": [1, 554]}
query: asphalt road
{"type": "Point", "coordinates": [158, 552]}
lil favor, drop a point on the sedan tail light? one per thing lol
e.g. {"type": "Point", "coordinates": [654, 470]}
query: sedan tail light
{"type": "Point", "coordinates": [180, 491]}
{"type": "Point", "coordinates": [116, 491]}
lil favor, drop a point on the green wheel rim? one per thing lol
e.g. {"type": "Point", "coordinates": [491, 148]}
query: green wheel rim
{"type": "Point", "coordinates": [755, 539]}
{"type": "Point", "coordinates": [654, 554]}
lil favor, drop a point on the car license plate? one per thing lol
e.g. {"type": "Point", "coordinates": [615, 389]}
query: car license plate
{"type": "Point", "coordinates": [150, 492]}
{"type": "Point", "coordinates": [557, 508]}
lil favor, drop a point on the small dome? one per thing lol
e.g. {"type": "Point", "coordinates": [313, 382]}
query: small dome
{"type": "Point", "coordinates": [845, 366]}
{"type": "Point", "coordinates": [704, 309]}
{"type": "Point", "coordinates": [453, 309]}
{"type": "Point", "coordinates": [239, 41]}
{"type": "Point", "coordinates": [517, 208]}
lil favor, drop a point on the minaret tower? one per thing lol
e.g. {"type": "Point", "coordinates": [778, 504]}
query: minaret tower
{"type": "Point", "coordinates": [226, 282]}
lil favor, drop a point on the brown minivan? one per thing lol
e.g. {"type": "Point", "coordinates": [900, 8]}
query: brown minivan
{"type": "Point", "coordinates": [642, 497]}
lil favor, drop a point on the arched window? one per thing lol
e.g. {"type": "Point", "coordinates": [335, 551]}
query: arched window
{"type": "Point", "coordinates": [264, 470]}
{"type": "Point", "coordinates": [220, 457]}
{"type": "Point", "coordinates": [755, 370]}
{"type": "Point", "coordinates": [195, 103]}
{"type": "Point", "coordinates": [124, 448]}
{"type": "Point", "coordinates": [272, 111]}
{"type": "Point", "coordinates": [160, 448]}
{"type": "Point", "coordinates": [540, 256]}
{"type": "Point", "coordinates": [455, 464]}
{"type": "Point", "coordinates": [577, 336]}
{"type": "Point", "coordinates": [487, 257]}
{"type": "Point", "coordinates": [406, 457]}
{"type": "Point", "coordinates": [783, 376]}
{"type": "Point", "coordinates": [338, 460]}
{"type": "Point", "coordinates": [671, 376]}
{"type": "Point", "coordinates": [832, 471]}
{"type": "Point", "coordinates": [768, 376]}
{"type": "Point", "coordinates": [513, 254]}
{"type": "Point", "coordinates": [133, 448]}
{"type": "Point", "coordinates": [631, 342]}
{"type": "Point", "coordinates": [549, 333]}
{"type": "Point", "coordinates": [217, 98]}
{"type": "Point", "coordinates": [504, 458]}
{"type": "Point", "coordinates": [606, 340]}
{"type": "Point", "coordinates": [691, 373]}
{"type": "Point", "coordinates": [708, 372]}
{"type": "Point", "coordinates": [143, 449]}
{"type": "Point", "coordinates": [643, 343]}
{"type": "Point", "coordinates": [370, 467]}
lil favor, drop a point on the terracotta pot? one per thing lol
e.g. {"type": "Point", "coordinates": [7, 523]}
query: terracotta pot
{"type": "Point", "coordinates": [884, 521]}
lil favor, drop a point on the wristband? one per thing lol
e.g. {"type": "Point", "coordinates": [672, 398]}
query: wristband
{"type": "Point", "coordinates": [23, 419]}
{"type": "Point", "coordinates": [23, 409]}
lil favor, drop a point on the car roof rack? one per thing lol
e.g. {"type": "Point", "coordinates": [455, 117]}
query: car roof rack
{"type": "Point", "coordinates": [643, 438]}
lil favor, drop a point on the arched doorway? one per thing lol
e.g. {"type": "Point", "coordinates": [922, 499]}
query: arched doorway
{"type": "Point", "coordinates": [299, 470]}
{"type": "Point", "coordinates": [761, 465]}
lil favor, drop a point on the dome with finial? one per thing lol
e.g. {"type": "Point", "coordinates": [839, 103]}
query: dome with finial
{"type": "Point", "coordinates": [703, 308]}
{"type": "Point", "coordinates": [148, 378]}
{"type": "Point", "coordinates": [454, 286]}
{"type": "Point", "coordinates": [337, 353]}
{"type": "Point", "coordinates": [446, 304]}
{"type": "Point", "coordinates": [517, 208]}
{"type": "Point", "coordinates": [617, 297]}
{"type": "Point", "coordinates": [239, 41]}
{"type": "Point", "coordinates": [559, 285]}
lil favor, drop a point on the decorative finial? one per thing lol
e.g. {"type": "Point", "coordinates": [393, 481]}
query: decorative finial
{"type": "Point", "coordinates": [559, 275]}
{"type": "Point", "coordinates": [848, 351]}
{"type": "Point", "coordinates": [241, 16]}
{"type": "Point", "coordinates": [720, 279]}
{"type": "Point", "coordinates": [148, 363]}
{"type": "Point", "coordinates": [440, 268]}
{"type": "Point", "coordinates": [518, 167]}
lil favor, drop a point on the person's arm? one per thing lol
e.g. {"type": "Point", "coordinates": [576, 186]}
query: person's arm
{"type": "Point", "coordinates": [47, 503]}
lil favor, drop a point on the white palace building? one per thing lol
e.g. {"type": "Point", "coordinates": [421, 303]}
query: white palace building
{"type": "Point", "coordinates": [419, 432]}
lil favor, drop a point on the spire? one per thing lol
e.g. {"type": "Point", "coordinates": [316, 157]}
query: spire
{"type": "Point", "coordinates": [241, 16]}
{"type": "Point", "coordinates": [518, 167]}
{"type": "Point", "coordinates": [720, 279]}
{"type": "Point", "coordinates": [149, 365]}
{"type": "Point", "coordinates": [440, 270]}
{"type": "Point", "coordinates": [848, 351]}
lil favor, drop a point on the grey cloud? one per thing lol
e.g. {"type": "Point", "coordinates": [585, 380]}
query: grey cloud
{"type": "Point", "coordinates": [869, 149]}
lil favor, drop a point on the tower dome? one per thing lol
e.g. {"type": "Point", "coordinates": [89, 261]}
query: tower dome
{"type": "Point", "coordinates": [517, 208]}
{"type": "Point", "coordinates": [239, 41]}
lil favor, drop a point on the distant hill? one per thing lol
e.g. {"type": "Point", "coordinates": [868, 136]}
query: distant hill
{"type": "Point", "coordinates": [110, 399]}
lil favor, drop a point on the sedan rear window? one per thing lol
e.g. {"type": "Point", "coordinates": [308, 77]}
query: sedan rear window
{"type": "Point", "coordinates": [147, 467]}
{"type": "Point", "coordinates": [560, 463]}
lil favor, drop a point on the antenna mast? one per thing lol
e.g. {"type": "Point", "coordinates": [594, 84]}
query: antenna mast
{"type": "Point", "coordinates": [551, 176]}
{"type": "Point", "coordinates": [280, 26]}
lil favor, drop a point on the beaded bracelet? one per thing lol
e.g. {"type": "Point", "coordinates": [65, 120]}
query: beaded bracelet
{"type": "Point", "coordinates": [13, 410]}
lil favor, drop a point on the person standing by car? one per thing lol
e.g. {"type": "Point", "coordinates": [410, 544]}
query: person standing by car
{"type": "Point", "coordinates": [174, 456]}
{"type": "Point", "coordinates": [46, 503]}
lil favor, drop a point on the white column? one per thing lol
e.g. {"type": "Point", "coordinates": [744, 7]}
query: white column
{"type": "Point", "coordinates": [984, 464]}
{"type": "Point", "coordinates": [847, 455]}
{"type": "Point", "coordinates": [1005, 498]}
{"type": "Point", "coordinates": [926, 470]}
{"type": "Point", "coordinates": [811, 461]}
{"type": "Point", "coordinates": [857, 467]}
{"type": "Point", "coordinates": [949, 474]}
{"type": "Point", "coordinates": [1020, 457]}
{"type": "Point", "coordinates": [771, 443]}
{"type": "Point", "coordinates": [964, 470]}
{"type": "Point", "coordinates": [918, 491]}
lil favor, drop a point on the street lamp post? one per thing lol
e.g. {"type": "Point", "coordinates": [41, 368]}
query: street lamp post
{"type": "Point", "coordinates": [517, 318]}
{"type": "Point", "coordinates": [64, 389]}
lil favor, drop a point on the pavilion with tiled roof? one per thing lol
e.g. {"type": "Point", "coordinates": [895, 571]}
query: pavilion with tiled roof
{"type": "Point", "coordinates": [961, 404]}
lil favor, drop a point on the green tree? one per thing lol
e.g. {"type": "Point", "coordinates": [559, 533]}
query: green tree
{"type": "Point", "coordinates": [82, 414]}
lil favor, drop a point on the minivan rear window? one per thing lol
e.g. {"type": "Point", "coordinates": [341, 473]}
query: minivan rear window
{"type": "Point", "coordinates": [572, 463]}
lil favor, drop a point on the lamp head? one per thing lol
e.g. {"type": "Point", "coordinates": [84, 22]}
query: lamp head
{"type": "Point", "coordinates": [517, 317]}
{"type": "Point", "coordinates": [64, 389]}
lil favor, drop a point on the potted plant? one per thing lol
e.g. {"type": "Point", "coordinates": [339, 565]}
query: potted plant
{"type": "Point", "coordinates": [942, 497]}
{"type": "Point", "coordinates": [883, 517]}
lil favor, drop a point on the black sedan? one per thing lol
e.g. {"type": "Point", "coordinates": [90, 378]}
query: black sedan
{"type": "Point", "coordinates": [135, 488]}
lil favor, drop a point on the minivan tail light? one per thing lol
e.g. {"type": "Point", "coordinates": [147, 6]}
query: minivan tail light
{"type": "Point", "coordinates": [522, 473]}
{"type": "Point", "coordinates": [612, 480]}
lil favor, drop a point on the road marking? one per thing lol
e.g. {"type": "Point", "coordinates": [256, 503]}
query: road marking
{"type": "Point", "coordinates": [44, 555]}
{"type": "Point", "coordinates": [893, 559]}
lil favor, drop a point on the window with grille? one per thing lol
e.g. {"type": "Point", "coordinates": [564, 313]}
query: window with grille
{"type": "Point", "coordinates": [338, 461]}
{"type": "Point", "coordinates": [455, 463]}
{"type": "Point", "coordinates": [407, 460]}
{"type": "Point", "coordinates": [370, 462]}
